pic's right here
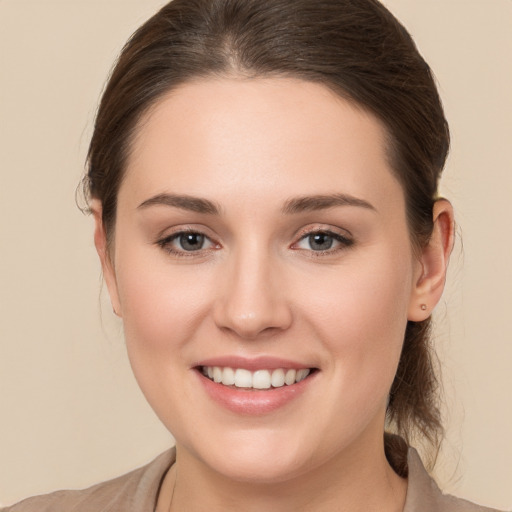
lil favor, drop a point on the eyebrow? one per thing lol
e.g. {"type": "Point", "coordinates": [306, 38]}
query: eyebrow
{"type": "Point", "coordinates": [184, 202]}
{"type": "Point", "coordinates": [292, 206]}
{"type": "Point", "coordinates": [323, 202]}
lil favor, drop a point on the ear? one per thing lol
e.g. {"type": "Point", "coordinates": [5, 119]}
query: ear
{"type": "Point", "coordinates": [431, 276]}
{"type": "Point", "coordinates": [100, 241]}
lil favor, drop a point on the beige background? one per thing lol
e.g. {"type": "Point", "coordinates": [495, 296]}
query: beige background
{"type": "Point", "coordinates": [70, 411]}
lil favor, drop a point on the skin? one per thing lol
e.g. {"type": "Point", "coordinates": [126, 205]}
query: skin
{"type": "Point", "coordinates": [258, 287]}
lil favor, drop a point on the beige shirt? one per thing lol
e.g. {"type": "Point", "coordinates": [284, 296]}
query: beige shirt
{"type": "Point", "coordinates": [138, 491]}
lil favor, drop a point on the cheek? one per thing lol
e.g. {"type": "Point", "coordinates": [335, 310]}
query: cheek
{"type": "Point", "coordinates": [163, 311]}
{"type": "Point", "coordinates": [361, 316]}
{"type": "Point", "coordinates": [162, 306]}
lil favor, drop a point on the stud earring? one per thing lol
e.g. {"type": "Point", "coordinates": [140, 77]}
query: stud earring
{"type": "Point", "coordinates": [423, 307]}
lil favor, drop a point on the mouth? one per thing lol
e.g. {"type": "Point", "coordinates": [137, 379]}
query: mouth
{"type": "Point", "coordinates": [256, 386]}
{"type": "Point", "coordinates": [261, 379]}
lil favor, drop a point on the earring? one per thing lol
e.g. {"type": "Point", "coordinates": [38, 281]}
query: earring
{"type": "Point", "coordinates": [423, 307]}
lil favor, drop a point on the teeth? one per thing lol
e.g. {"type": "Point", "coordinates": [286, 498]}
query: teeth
{"type": "Point", "coordinates": [301, 375]}
{"type": "Point", "coordinates": [290, 377]}
{"type": "Point", "coordinates": [260, 379]}
{"type": "Point", "coordinates": [228, 377]}
{"type": "Point", "coordinates": [277, 380]}
{"type": "Point", "coordinates": [217, 374]}
{"type": "Point", "coordinates": [243, 378]}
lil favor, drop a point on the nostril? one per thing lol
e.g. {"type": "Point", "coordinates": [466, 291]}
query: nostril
{"type": "Point", "coordinates": [252, 325]}
{"type": "Point", "coordinates": [250, 302]}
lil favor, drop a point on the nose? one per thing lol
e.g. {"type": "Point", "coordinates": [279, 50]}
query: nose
{"type": "Point", "coordinates": [252, 300]}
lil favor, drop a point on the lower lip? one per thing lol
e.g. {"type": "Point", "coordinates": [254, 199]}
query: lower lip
{"type": "Point", "coordinates": [251, 401]}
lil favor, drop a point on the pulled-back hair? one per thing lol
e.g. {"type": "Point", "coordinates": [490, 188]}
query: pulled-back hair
{"type": "Point", "coordinates": [355, 48]}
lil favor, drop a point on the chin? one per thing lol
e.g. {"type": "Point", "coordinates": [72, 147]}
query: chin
{"type": "Point", "coordinates": [268, 470]}
{"type": "Point", "coordinates": [256, 457]}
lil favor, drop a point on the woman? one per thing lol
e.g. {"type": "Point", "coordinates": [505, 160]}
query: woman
{"type": "Point", "coordinates": [263, 179]}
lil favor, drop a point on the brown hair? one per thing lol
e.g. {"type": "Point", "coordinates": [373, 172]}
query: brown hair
{"type": "Point", "coordinates": [354, 47]}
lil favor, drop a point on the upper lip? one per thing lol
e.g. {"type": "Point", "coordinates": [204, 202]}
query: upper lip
{"type": "Point", "coordinates": [252, 364]}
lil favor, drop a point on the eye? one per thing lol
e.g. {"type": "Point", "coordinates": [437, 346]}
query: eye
{"type": "Point", "coordinates": [186, 242]}
{"type": "Point", "coordinates": [323, 241]}
{"type": "Point", "coordinates": [190, 241]}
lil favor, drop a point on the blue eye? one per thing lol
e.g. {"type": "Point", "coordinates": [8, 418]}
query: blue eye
{"type": "Point", "coordinates": [191, 241]}
{"type": "Point", "coordinates": [323, 241]}
{"type": "Point", "coordinates": [185, 242]}
{"type": "Point", "coordinates": [320, 241]}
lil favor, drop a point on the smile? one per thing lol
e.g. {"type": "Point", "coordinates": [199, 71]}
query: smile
{"type": "Point", "coordinates": [259, 379]}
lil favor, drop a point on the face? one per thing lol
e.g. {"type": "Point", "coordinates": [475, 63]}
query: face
{"type": "Point", "coordinates": [261, 237]}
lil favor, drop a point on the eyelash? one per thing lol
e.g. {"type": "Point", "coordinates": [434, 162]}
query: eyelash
{"type": "Point", "coordinates": [343, 241]}
{"type": "Point", "coordinates": [166, 243]}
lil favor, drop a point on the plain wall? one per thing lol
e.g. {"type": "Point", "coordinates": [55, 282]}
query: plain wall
{"type": "Point", "coordinates": [70, 411]}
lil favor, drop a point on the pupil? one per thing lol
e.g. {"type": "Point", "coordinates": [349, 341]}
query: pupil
{"type": "Point", "coordinates": [191, 241]}
{"type": "Point", "coordinates": [320, 241]}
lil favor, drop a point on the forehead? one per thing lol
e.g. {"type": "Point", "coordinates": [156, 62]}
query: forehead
{"type": "Point", "coordinates": [273, 136]}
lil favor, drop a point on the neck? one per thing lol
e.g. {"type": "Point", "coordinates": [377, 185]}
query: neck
{"type": "Point", "coordinates": [359, 479]}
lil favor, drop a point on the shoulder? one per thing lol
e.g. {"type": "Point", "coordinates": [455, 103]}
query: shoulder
{"type": "Point", "coordinates": [453, 504]}
{"type": "Point", "coordinates": [136, 491]}
{"type": "Point", "coordinates": [423, 494]}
